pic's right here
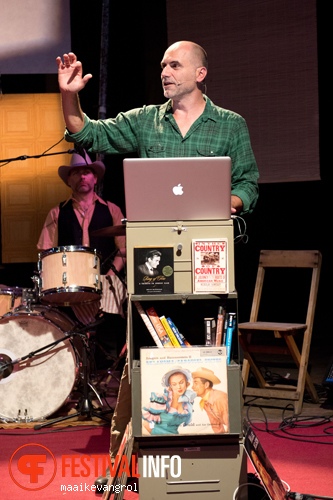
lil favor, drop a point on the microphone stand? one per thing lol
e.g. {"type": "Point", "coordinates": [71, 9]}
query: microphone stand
{"type": "Point", "coordinates": [26, 157]}
{"type": "Point", "coordinates": [85, 406]}
{"type": "Point", "coordinates": [111, 265]}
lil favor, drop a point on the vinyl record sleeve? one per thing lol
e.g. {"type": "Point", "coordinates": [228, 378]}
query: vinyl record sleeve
{"type": "Point", "coordinates": [161, 279]}
{"type": "Point", "coordinates": [176, 397]}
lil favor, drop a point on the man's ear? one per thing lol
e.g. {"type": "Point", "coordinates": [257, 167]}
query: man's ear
{"type": "Point", "coordinates": [201, 74]}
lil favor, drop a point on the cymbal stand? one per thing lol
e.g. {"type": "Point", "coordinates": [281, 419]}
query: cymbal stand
{"type": "Point", "coordinates": [85, 406]}
{"type": "Point", "coordinates": [102, 380]}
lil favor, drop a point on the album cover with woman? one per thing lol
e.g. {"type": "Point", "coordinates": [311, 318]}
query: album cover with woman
{"type": "Point", "coordinates": [184, 391]}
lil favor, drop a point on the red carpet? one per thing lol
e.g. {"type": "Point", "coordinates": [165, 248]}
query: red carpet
{"type": "Point", "coordinates": [64, 465]}
{"type": "Point", "coordinates": [302, 456]}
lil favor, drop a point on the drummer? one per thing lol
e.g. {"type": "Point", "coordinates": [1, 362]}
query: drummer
{"type": "Point", "coordinates": [73, 222]}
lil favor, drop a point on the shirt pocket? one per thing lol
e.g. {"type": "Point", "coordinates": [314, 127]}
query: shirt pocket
{"type": "Point", "coordinates": [207, 152]}
{"type": "Point", "coordinates": [156, 150]}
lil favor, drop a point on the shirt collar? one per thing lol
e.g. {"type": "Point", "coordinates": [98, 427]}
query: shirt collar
{"type": "Point", "coordinates": [95, 198]}
{"type": "Point", "coordinates": [204, 399]}
{"type": "Point", "coordinates": [208, 113]}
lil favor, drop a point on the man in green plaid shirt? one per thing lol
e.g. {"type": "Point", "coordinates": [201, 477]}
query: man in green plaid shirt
{"type": "Point", "coordinates": [187, 124]}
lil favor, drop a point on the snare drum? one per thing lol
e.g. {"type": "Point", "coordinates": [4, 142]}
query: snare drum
{"type": "Point", "coordinates": [36, 387]}
{"type": "Point", "coordinates": [69, 275]}
{"type": "Point", "coordinates": [9, 299]}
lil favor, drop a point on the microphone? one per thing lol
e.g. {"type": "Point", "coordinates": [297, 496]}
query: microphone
{"type": "Point", "coordinates": [185, 81]}
{"type": "Point", "coordinates": [6, 366]}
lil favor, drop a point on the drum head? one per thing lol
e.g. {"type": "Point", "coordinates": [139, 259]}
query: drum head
{"type": "Point", "coordinates": [36, 386]}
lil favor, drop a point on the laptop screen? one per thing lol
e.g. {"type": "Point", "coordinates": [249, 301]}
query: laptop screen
{"type": "Point", "coordinates": [177, 189]}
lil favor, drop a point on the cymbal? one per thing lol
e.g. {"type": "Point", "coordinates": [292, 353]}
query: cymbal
{"type": "Point", "coordinates": [110, 231]}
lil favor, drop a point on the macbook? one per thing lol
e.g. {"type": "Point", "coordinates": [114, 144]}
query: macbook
{"type": "Point", "coordinates": [177, 189]}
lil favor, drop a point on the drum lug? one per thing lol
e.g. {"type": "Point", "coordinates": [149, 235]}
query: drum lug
{"type": "Point", "coordinates": [96, 260]}
{"type": "Point", "coordinates": [96, 280]}
{"type": "Point", "coordinates": [64, 278]}
{"type": "Point", "coordinates": [39, 263]}
{"type": "Point", "coordinates": [24, 418]}
{"type": "Point", "coordinates": [64, 259]}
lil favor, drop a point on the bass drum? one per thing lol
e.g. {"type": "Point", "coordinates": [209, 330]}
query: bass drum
{"type": "Point", "coordinates": [32, 388]}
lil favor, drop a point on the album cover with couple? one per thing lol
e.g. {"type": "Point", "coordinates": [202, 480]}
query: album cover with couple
{"type": "Point", "coordinates": [184, 391]}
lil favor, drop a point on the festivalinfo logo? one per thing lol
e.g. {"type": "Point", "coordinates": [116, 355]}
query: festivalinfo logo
{"type": "Point", "coordinates": [33, 467]}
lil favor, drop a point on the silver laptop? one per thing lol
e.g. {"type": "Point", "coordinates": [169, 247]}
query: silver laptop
{"type": "Point", "coordinates": [171, 189]}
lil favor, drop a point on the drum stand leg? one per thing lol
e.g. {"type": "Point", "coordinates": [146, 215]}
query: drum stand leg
{"type": "Point", "coordinates": [85, 406]}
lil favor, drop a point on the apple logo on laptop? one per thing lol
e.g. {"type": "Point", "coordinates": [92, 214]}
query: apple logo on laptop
{"type": "Point", "coordinates": [178, 190]}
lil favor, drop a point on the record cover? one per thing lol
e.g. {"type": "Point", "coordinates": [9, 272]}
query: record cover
{"type": "Point", "coordinates": [209, 265]}
{"type": "Point", "coordinates": [184, 391]}
{"type": "Point", "coordinates": [153, 270]}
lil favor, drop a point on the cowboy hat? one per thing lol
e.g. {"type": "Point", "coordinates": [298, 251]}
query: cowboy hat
{"type": "Point", "coordinates": [207, 374]}
{"type": "Point", "coordinates": [79, 161]}
{"type": "Point", "coordinates": [176, 369]}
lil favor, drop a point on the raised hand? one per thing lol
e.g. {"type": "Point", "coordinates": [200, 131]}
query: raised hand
{"type": "Point", "coordinates": [70, 76]}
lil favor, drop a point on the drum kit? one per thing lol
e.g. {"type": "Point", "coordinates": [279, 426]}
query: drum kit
{"type": "Point", "coordinates": [40, 363]}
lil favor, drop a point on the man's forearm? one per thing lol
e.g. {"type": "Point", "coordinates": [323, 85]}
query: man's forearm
{"type": "Point", "coordinates": [72, 112]}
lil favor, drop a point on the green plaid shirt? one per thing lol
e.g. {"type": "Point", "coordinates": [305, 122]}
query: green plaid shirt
{"type": "Point", "coordinates": [151, 131]}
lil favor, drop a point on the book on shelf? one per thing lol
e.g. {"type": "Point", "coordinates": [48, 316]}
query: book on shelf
{"type": "Point", "coordinates": [153, 270]}
{"type": "Point", "coordinates": [157, 324]}
{"type": "Point", "coordinates": [148, 323]}
{"type": "Point", "coordinates": [221, 313]}
{"type": "Point", "coordinates": [179, 336]}
{"type": "Point", "coordinates": [209, 265]}
{"type": "Point", "coordinates": [182, 337]}
{"type": "Point", "coordinates": [225, 327]}
{"type": "Point", "coordinates": [210, 331]}
{"type": "Point", "coordinates": [169, 331]}
{"type": "Point", "coordinates": [204, 414]}
{"type": "Point", "coordinates": [231, 326]}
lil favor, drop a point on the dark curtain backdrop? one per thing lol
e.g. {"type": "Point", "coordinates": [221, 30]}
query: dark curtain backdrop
{"type": "Point", "coordinates": [262, 64]}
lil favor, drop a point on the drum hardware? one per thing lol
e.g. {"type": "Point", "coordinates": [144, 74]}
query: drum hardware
{"type": "Point", "coordinates": [103, 378]}
{"type": "Point", "coordinates": [108, 264]}
{"type": "Point", "coordinates": [110, 231]}
{"type": "Point", "coordinates": [85, 406]}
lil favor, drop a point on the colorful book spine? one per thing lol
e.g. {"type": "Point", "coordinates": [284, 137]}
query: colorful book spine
{"type": "Point", "coordinates": [148, 324]}
{"type": "Point", "coordinates": [176, 332]}
{"type": "Point", "coordinates": [157, 324]}
{"type": "Point", "coordinates": [229, 334]}
{"type": "Point", "coordinates": [169, 331]}
{"type": "Point", "coordinates": [186, 342]}
{"type": "Point", "coordinates": [220, 325]}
